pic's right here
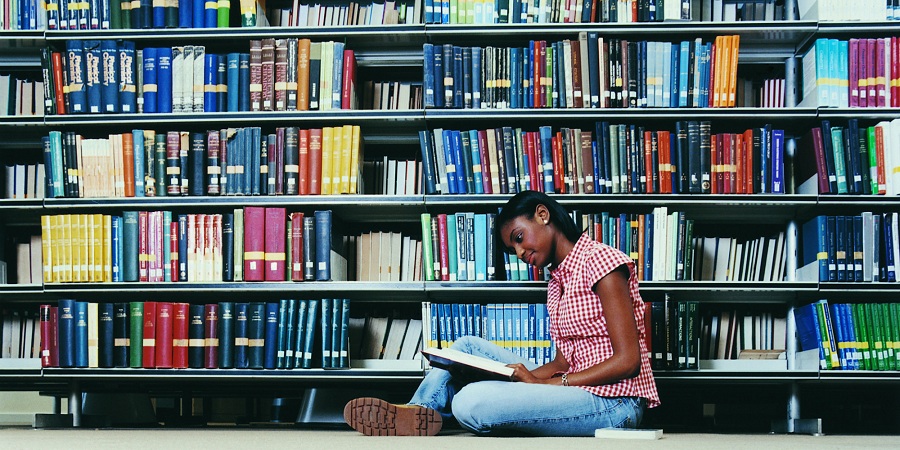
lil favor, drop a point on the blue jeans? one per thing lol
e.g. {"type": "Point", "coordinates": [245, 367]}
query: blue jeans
{"type": "Point", "coordinates": [505, 408]}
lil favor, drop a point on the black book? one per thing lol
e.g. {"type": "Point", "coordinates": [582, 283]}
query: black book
{"type": "Point", "coordinates": [197, 163]}
{"type": "Point", "coordinates": [256, 335]}
{"type": "Point", "coordinates": [291, 161]}
{"type": "Point", "coordinates": [227, 247]}
{"type": "Point", "coordinates": [241, 336]}
{"type": "Point", "coordinates": [120, 335]}
{"type": "Point", "coordinates": [195, 337]}
{"type": "Point", "coordinates": [704, 156]}
{"type": "Point", "coordinates": [226, 335]}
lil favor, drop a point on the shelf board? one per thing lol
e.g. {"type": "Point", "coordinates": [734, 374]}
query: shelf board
{"type": "Point", "coordinates": [551, 115]}
{"type": "Point", "coordinates": [485, 291]}
{"type": "Point", "coordinates": [231, 376]}
{"type": "Point", "coordinates": [859, 376]}
{"type": "Point", "coordinates": [704, 376]}
{"type": "Point", "coordinates": [19, 39]}
{"type": "Point", "coordinates": [21, 121]}
{"type": "Point", "coordinates": [863, 291]}
{"type": "Point", "coordinates": [780, 292]}
{"type": "Point", "coordinates": [410, 118]}
{"type": "Point", "coordinates": [862, 113]}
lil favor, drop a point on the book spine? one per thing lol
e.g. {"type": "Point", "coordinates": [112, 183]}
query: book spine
{"type": "Point", "coordinates": [66, 333]}
{"type": "Point", "coordinates": [225, 334]}
{"type": "Point", "coordinates": [148, 339]}
{"type": "Point", "coordinates": [195, 331]}
{"type": "Point", "coordinates": [121, 337]}
{"type": "Point", "coordinates": [165, 315]}
{"type": "Point", "coordinates": [323, 236]}
{"type": "Point", "coordinates": [241, 336]}
{"type": "Point", "coordinates": [309, 331]}
{"type": "Point", "coordinates": [275, 219]}
{"type": "Point", "coordinates": [105, 341]}
{"type": "Point", "coordinates": [270, 353]}
{"type": "Point", "coordinates": [211, 336]}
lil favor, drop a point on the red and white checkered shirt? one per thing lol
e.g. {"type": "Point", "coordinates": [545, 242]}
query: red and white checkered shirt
{"type": "Point", "coordinates": [577, 324]}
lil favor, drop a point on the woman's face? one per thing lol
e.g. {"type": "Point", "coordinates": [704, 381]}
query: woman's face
{"type": "Point", "coordinates": [531, 239]}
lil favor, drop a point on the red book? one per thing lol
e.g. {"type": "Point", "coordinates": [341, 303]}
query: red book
{"type": "Point", "coordinates": [274, 243]}
{"type": "Point", "coordinates": [486, 178]}
{"type": "Point", "coordinates": [715, 164]}
{"type": "Point", "coordinates": [815, 139]}
{"type": "Point", "coordinates": [444, 247]}
{"type": "Point", "coordinates": [297, 246]}
{"type": "Point", "coordinates": [731, 157]}
{"type": "Point", "coordinates": [148, 358]}
{"type": "Point", "coordinates": [54, 337]}
{"type": "Point", "coordinates": [303, 161]}
{"type": "Point", "coordinates": [254, 243]}
{"type": "Point", "coordinates": [46, 335]}
{"type": "Point", "coordinates": [879, 159]}
{"type": "Point", "coordinates": [267, 73]}
{"type": "Point", "coordinates": [164, 317]}
{"type": "Point", "coordinates": [211, 336]}
{"type": "Point", "coordinates": [58, 82]}
{"type": "Point", "coordinates": [281, 65]}
{"type": "Point", "coordinates": [180, 336]}
{"type": "Point", "coordinates": [315, 161]}
{"type": "Point", "coordinates": [587, 162]}
{"type": "Point", "coordinates": [853, 71]}
{"type": "Point", "coordinates": [748, 162]}
{"type": "Point", "coordinates": [534, 160]}
{"type": "Point", "coordinates": [143, 251]}
{"type": "Point", "coordinates": [739, 163]}
{"type": "Point", "coordinates": [871, 70]}
{"type": "Point", "coordinates": [665, 163]}
{"type": "Point", "coordinates": [648, 162]}
{"type": "Point", "coordinates": [558, 184]}
{"type": "Point", "coordinates": [173, 250]}
{"type": "Point", "coordinates": [727, 162]}
{"type": "Point", "coordinates": [879, 73]}
{"type": "Point", "coordinates": [348, 87]}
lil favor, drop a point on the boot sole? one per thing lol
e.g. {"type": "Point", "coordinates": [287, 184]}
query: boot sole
{"type": "Point", "coordinates": [376, 417]}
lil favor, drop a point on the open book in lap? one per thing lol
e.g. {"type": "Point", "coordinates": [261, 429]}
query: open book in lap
{"type": "Point", "coordinates": [467, 367]}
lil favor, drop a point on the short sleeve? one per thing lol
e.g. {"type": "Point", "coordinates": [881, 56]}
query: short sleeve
{"type": "Point", "coordinates": [602, 260]}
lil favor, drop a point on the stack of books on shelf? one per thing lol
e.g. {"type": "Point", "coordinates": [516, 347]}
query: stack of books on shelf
{"type": "Point", "coordinates": [249, 244]}
{"type": "Point", "coordinates": [283, 74]}
{"type": "Point", "coordinates": [20, 336]}
{"type": "Point", "coordinates": [388, 256]}
{"type": "Point", "coordinates": [392, 177]}
{"type": "Point", "coordinates": [230, 161]}
{"type": "Point", "coordinates": [851, 336]}
{"type": "Point", "coordinates": [861, 248]}
{"type": "Point", "coordinates": [588, 72]}
{"type": "Point", "coordinates": [388, 337]}
{"type": "Point", "coordinates": [115, 14]}
{"type": "Point", "coordinates": [391, 95]}
{"type": "Point", "coordinates": [852, 73]}
{"type": "Point", "coordinates": [407, 12]}
{"type": "Point", "coordinates": [21, 96]}
{"type": "Point", "coordinates": [609, 159]}
{"type": "Point", "coordinates": [28, 264]}
{"type": "Point", "coordinates": [485, 12]}
{"type": "Point", "coordinates": [24, 181]}
{"type": "Point", "coordinates": [839, 11]}
{"type": "Point", "coordinates": [286, 334]}
{"type": "Point", "coordinates": [522, 328]}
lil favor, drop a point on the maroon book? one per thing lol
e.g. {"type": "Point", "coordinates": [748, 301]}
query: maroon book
{"type": "Point", "coordinates": [148, 358]}
{"type": "Point", "coordinates": [211, 336]}
{"type": "Point", "coordinates": [303, 161]}
{"type": "Point", "coordinates": [164, 318]}
{"type": "Point", "coordinates": [267, 74]}
{"type": "Point", "coordinates": [46, 335]}
{"type": "Point", "coordinates": [255, 75]}
{"type": "Point", "coordinates": [315, 161]}
{"type": "Point", "coordinates": [444, 249]}
{"type": "Point", "coordinates": [281, 64]}
{"type": "Point", "coordinates": [297, 246]}
{"type": "Point", "coordinates": [254, 243]}
{"type": "Point", "coordinates": [274, 245]}
{"type": "Point", "coordinates": [180, 336]}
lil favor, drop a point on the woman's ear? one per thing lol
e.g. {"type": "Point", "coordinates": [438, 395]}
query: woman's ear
{"type": "Point", "coordinates": [542, 214]}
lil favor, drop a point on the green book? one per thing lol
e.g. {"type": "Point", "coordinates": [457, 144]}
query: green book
{"type": "Point", "coordinates": [136, 334]}
{"type": "Point", "coordinates": [427, 255]}
{"type": "Point", "coordinates": [862, 342]}
{"type": "Point", "coordinates": [888, 325]}
{"type": "Point", "coordinates": [873, 161]}
{"type": "Point", "coordinates": [840, 170]}
{"type": "Point", "coordinates": [130, 236]}
{"type": "Point", "coordinates": [159, 171]}
{"type": "Point", "coordinates": [222, 13]}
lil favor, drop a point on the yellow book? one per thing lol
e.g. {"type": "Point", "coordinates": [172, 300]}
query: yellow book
{"type": "Point", "coordinates": [327, 144]}
{"type": "Point", "coordinates": [55, 249]}
{"type": "Point", "coordinates": [87, 254]}
{"type": "Point", "coordinates": [99, 234]}
{"type": "Point", "coordinates": [65, 233]}
{"type": "Point", "coordinates": [46, 254]}
{"type": "Point", "coordinates": [355, 158]}
{"type": "Point", "coordinates": [327, 71]}
{"type": "Point", "coordinates": [340, 177]}
{"type": "Point", "coordinates": [75, 238]}
{"type": "Point", "coordinates": [732, 72]}
{"type": "Point", "coordinates": [106, 245]}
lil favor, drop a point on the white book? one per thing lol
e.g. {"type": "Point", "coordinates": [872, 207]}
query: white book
{"type": "Point", "coordinates": [199, 63]}
{"type": "Point", "coordinates": [629, 433]}
{"type": "Point", "coordinates": [466, 365]}
{"type": "Point", "coordinates": [396, 247]}
{"type": "Point", "coordinates": [394, 340]}
{"type": "Point", "coordinates": [412, 340]}
{"type": "Point", "coordinates": [178, 89]}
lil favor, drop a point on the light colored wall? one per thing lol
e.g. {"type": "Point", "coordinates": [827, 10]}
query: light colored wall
{"type": "Point", "coordinates": [19, 408]}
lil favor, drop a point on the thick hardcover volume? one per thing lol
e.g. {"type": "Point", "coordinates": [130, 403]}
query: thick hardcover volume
{"type": "Point", "coordinates": [323, 245]}
{"type": "Point", "coordinates": [309, 331]}
{"type": "Point", "coordinates": [196, 342]}
{"type": "Point", "coordinates": [428, 164]}
{"type": "Point", "coordinates": [180, 340]}
{"type": "Point", "coordinates": [126, 79]}
{"type": "Point", "coordinates": [66, 332]}
{"type": "Point", "coordinates": [150, 86]}
{"type": "Point", "coordinates": [164, 79]}
{"type": "Point", "coordinates": [75, 63]}
{"type": "Point", "coordinates": [286, 312]}
{"type": "Point", "coordinates": [274, 246]}
{"type": "Point", "coordinates": [326, 332]}
{"type": "Point", "coordinates": [291, 161]}
{"type": "Point", "coordinates": [335, 329]}
{"type": "Point", "coordinates": [81, 334]}
{"type": "Point", "coordinates": [232, 80]}
{"type": "Point", "coordinates": [296, 246]}
{"type": "Point", "coordinates": [244, 82]}
{"type": "Point", "coordinates": [197, 163]}
{"type": "Point", "coordinates": [210, 87]}
{"type": "Point", "coordinates": [270, 354]}
{"type": "Point", "coordinates": [241, 339]}
{"type": "Point", "coordinates": [46, 335]}
{"type": "Point", "coordinates": [309, 248]}
{"type": "Point", "coordinates": [226, 335]}
{"type": "Point", "coordinates": [256, 89]}
{"type": "Point", "coordinates": [228, 247]}
{"type": "Point", "coordinates": [254, 243]}
{"type": "Point", "coordinates": [106, 341]}
{"type": "Point", "coordinates": [211, 336]}
{"type": "Point", "coordinates": [815, 250]}
{"type": "Point", "coordinates": [148, 338]}
{"type": "Point", "coordinates": [256, 335]}
{"type": "Point", "coordinates": [136, 334]}
{"type": "Point", "coordinates": [344, 358]}
{"type": "Point", "coordinates": [267, 74]}
{"type": "Point", "coordinates": [109, 77]}
{"type": "Point", "coordinates": [466, 366]}
{"type": "Point", "coordinates": [164, 334]}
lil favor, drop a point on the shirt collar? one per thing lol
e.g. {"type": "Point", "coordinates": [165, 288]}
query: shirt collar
{"type": "Point", "coordinates": [566, 265]}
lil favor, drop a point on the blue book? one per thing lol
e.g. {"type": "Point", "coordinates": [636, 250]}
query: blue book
{"type": "Point", "coordinates": [428, 69]}
{"type": "Point", "coordinates": [344, 360]}
{"type": "Point", "coordinates": [777, 162]}
{"type": "Point", "coordinates": [145, 14]}
{"type": "Point", "coordinates": [326, 332]}
{"type": "Point", "coordinates": [182, 248]}
{"type": "Point", "coordinates": [480, 247]}
{"type": "Point", "coordinates": [210, 14]}
{"type": "Point", "coordinates": [463, 167]}
{"type": "Point", "coordinates": [438, 71]}
{"type": "Point", "coordinates": [244, 82]}
{"type": "Point", "coordinates": [151, 87]}
{"type": "Point", "coordinates": [299, 334]}
{"type": "Point", "coordinates": [335, 327]}
{"type": "Point", "coordinates": [210, 66]}
{"type": "Point", "coordinates": [337, 71]}
{"type": "Point", "coordinates": [105, 339]}
{"type": "Point", "coordinates": [256, 334]}
{"type": "Point", "coordinates": [290, 330]}
{"type": "Point", "coordinates": [323, 245]}
{"type": "Point", "coordinates": [546, 135]}
{"type": "Point", "coordinates": [75, 64]}
{"type": "Point", "coordinates": [683, 69]}
{"type": "Point", "coordinates": [281, 333]}
{"type": "Point", "coordinates": [116, 248]}
{"type": "Point", "coordinates": [195, 336]}
{"type": "Point", "coordinates": [81, 334]}
{"type": "Point", "coordinates": [451, 163]}
{"type": "Point", "coordinates": [253, 174]}
{"type": "Point", "coordinates": [108, 76]}
{"type": "Point", "coordinates": [428, 165]}
{"type": "Point", "coordinates": [197, 13]}
{"type": "Point", "coordinates": [271, 336]}
{"type": "Point", "coordinates": [66, 332]}
{"type": "Point", "coordinates": [476, 77]}
{"type": "Point", "coordinates": [815, 251]}
{"type": "Point", "coordinates": [127, 91]}
{"type": "Point", "coordinates": [241, 336]}
{"type": "Point", "coordinates": [309, 331]}
{"type": "Point", "coordinates": [139, 161]}
{"type": "Point", "coordinates": [164, 79]}
{"type": "Point", "coordinates": [467, 77]}
{"type": "Point", "coordinates": [159, 14]}
{"type": "Point", "coordinates": [477, 175]}
{"type": "Point", "coordinates": [233, 81]}
{"type": "Point", "coordinates": [185, 13]}
{"type": "Point", "coordinates": [448, 78]}
{"type": "Point", "coordinates": [648, 248]}
{"type": "Point", "coordinates": [226, 335]}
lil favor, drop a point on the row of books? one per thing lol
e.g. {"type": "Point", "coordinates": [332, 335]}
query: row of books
{"type": "Point", "coordinates": [28, 263]}
{"type": "Point", "coordinates": [24, 181]}
{"type": "Point", "coordinates": [588, 72]}
{"type": "Point", "coordinates": [231, 161]}
{"type": "Point", "coordinates": [21, 96]}
{"type": "Point", "coordinates": [115, 14]}
{"type": "Point", "coordinates": [285, 74]}
{"type": "Point", "coordinates": [771, 94]}
{"type": "Point", "coordinates": [839, 11]}
{"type": "Point", "coordinates": [20, 335]}
{"type": "Point", "coordinates": [733, 259]}
{"type": "Point", "coordinates": [522, 328]}
{"type": "Point", "coordinates": [388, 256]}
{"type": "Point", "coordinates": [852, 73]}
{"type": "Point", "coordinates": [250, 244]}
{"type": "Point", "coordinates": [614, 158]}
{"type": "Point", "coordinates": [388, 12]}
{"type": "Point", "coordinates": [851, 336]}
{"type": "Point", "coordinates": [852, 159]}
{"type": "Point", "coordinates": [287, 334]}
{"type": "Point", "coordinates": [392, 177]}
{"type": "Point", "coordinates": [391, 95]}
{"type": "Point", "coordinates": [859, 248]}
{"type": "Point", "coordinates": [737, 333]}
{"type": "Point", "coordinates": [387, 337]}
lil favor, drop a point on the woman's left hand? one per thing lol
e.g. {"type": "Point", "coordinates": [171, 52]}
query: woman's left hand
{"type": "Point", "coordinates": [522, 374]}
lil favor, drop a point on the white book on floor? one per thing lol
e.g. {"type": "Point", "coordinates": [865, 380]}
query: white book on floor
{"type": "Point", "coordinates": [629, 433]}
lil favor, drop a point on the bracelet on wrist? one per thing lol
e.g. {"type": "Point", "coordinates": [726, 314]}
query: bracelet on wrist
{"type": "Point", "coordinates": [565, 379]}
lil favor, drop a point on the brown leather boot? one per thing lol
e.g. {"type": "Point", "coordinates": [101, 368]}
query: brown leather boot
{"type": "Point", "coordinates": [376, 417]}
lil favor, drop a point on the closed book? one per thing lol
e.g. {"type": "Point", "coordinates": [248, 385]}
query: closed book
{"type": "Point", "coordinates": [335, 329]}
{"type": "Point", "coordinates": [254, 243]}
{"type": "Point", "coordinates": [288, 331]}
{"type": "Point", "coordinates": [148, 340]}
{"type": "Point", "coordinates": [150, 87]}
{"type": "Point", "coordinates": [315, 66]}
{"type": "Point", "coordinates": [291, 165]}
{"type": "Point", "coordinates": [80, 312]}
{"type": "Point", "coordinates": [344, 347]}
{"type": "Point", "coordinates": [815, 251]}
{"type": "Point", "coordinates": [210, 14]}
{"type": "Point", "coordinates": [296, 246]}
{"type": "Point", "coordinates": [93, 75]}
{"type": "Point", "coordinates": [256, 335]}
{"type": "Point", "coordinates": [227, 247]}
{"type": "Point", "coordinates": [106, 335]}
{"type": "Point", "coordinates": [46, 335]}
{"type": "Point", "coordinates": [270, 354]}
{"type": "Point", "coordinates": [211, 336]}
{"type": "Point", "coordinates": [323, 237]}
{"type": "Point", "coordinates": [226, 335]}
{"type": "Point", "coordinates": [180, 339]}
{"type": "Point", "coordinates": [241, 339]}
{"type": "Point", "coordinates": [165, 315]}
{"type": "Point", "coordinates": [196, 341]}
{"type": "Point", "coordinates": [244, 82]}
{"type": "Point", "coordinates": [75, 76]}
{"type": "Point", "coordinates": [109, 77]}
{"type": "Point", "coordinates": [267, 74]}
{"type": "Point", "coordinates": [182, 257]}
{"type": "Point", "coordinates": [232, 80]}
{"type": "Point", "coordinates": [197, 163]}
{"type": "Point", "coordinates": [66, 333]}
{"type": "Point", "coordinates": [136, 334]}
{"type": "Point", "coordinates": [309, 332]}
{"type": "Point", "coordinates": [325, 327]}
{"type": "Point", "coordinates": [299, 343]}
{"type": "Point", "coordinates": [309, 248]}
{"type": "Point", "coordinates": [274, 244]}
